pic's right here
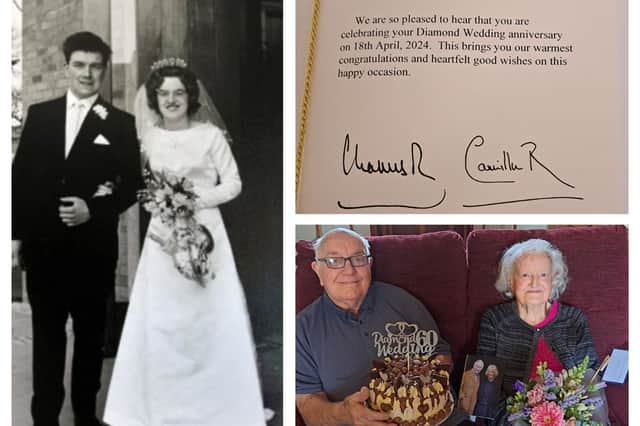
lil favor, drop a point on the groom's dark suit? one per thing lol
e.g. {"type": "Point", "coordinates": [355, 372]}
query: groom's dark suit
{"type": "Point", "coordinates": [71, 270]}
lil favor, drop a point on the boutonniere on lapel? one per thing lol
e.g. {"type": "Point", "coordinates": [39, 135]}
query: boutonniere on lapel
{"type": "Point", "coordinates": [101, 111]}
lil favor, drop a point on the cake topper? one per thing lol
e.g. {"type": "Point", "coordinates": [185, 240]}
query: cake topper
{"type": "Point", "coordinates": [402, 338]}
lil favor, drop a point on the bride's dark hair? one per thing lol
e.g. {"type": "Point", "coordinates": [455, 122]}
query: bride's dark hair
{"type": "Point", "coordinates": [186, 76]}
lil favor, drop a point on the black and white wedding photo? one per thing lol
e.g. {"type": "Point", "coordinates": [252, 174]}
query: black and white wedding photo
{"type": "Point", "coordinates": [146, 212]}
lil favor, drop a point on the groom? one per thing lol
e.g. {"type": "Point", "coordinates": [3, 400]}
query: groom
{"type": "Point", "coordinates": [77, 167]}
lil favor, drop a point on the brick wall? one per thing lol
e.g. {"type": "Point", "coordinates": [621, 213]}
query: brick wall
{"type": "Point", "coordinates": [46, 23]}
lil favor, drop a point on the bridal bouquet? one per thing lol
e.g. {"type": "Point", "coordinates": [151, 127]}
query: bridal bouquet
{"type": "Point", "coordinates": [552, 400]}
{"type": "Point", "coordinates": [172, 199]}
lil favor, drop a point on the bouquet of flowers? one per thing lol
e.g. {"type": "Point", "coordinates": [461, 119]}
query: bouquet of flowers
{"type": "Point", "coordinates": [172, 199]}
{"type": "Point", "coordinates": [554, 400]}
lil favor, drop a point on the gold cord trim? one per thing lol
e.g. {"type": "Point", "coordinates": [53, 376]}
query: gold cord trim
{"type": "Point", "coordinates": [306, 96]}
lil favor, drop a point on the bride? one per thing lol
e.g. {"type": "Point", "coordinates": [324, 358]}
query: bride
{"type": "Point", "coordinates": [186, 355]}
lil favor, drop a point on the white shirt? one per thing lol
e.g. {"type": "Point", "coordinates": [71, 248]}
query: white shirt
{"type": "Point", "coordinates": [71, 125]}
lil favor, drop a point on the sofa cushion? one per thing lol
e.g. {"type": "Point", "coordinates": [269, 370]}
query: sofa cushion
{"type": "Point", "coordinates": [308, 287]}
{"type": "Point", "coordinates": [597, 258]}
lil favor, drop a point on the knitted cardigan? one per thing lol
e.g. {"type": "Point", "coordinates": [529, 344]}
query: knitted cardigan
{"type": "Point", "coordinates": [505, 336]}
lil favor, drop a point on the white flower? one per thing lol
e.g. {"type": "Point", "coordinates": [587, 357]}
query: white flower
{"type": "Point", "coordinates": [171, 180]}
{"type": "Point", "coordinates": [101, 111]}
{"type": "Point", "coordinates": [180, 199]}
{"type": "Point", "coordinates": [163, 194]}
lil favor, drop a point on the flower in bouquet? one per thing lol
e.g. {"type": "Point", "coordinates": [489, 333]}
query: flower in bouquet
{"type": "Point", "coordinates": [167, 196]}
{"type": "Point", "coordinates": [554, 400]}
{"type": "Point", "coordinates": [535, 395]}
{"type": "Point", "coordinates": [547, 413]}
{"type": "Point", "coordinates": [172, 199]}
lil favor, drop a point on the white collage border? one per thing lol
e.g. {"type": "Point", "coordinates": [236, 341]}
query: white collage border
{"type": "Point", "coordinates": [290, 219]}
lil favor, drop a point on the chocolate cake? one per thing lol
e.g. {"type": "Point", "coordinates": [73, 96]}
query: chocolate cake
{"type": "Point", "coordinates": [413, 390]}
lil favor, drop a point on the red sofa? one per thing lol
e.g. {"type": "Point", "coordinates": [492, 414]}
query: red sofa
{"type": "Point", "coordinates": [454, 279]}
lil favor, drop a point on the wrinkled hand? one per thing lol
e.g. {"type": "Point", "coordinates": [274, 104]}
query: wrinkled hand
{"type": "Point", "coordinates": [361, 415]}
{"type": "Point", "coordinates": [16, 254]}
{"type": "Point", "coordinates": [75, 212]}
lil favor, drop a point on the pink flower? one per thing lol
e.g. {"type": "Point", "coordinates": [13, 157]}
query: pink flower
{"type": "Point", "coordinates": [535, 395]}
{"type": "Point", "coordinates": [547, 414]}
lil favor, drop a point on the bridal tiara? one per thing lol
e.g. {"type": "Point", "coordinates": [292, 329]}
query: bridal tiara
{"type": "Point", "coordinates": [168, 62]}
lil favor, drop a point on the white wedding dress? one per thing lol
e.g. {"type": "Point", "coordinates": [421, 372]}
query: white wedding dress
{"type": "Point", "coordinates": [186, 356]}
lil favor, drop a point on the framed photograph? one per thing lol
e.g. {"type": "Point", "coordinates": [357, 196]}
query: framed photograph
{"type": "Point", "coordinates": [480, 386]}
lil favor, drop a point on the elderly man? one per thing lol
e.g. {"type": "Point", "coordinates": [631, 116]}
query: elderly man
{"type": "Point", "coordinates": [353, 323]}
{"type": "Point", "coordinates": [469, 387]}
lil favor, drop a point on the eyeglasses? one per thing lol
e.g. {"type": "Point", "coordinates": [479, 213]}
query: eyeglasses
{"type": "Point", "coordinates": [340, 262]}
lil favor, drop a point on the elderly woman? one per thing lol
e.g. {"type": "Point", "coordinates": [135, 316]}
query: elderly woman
{"type": "Point", "coordinates": [534, 327]}
{"type": "Point", "coordinates": [488, 393]}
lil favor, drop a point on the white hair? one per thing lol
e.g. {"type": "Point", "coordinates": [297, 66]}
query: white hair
{"type": "Point", "coordinates": [493, 368]}
{"type": "Point", "coordinates": [318, 242]}
{"type": "Point", "coordinates": [559, 271]}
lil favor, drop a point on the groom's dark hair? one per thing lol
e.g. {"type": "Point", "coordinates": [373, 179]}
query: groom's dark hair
{"type": "Point", "coordinates": [87, 42]}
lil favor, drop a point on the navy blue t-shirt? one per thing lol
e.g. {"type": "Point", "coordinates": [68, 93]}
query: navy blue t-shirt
{"type": "Point", "coordinates": [335, 349]}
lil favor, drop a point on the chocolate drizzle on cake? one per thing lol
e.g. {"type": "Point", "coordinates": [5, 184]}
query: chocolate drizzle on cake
{"type": "Point", "coordinates": [414, 391]}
